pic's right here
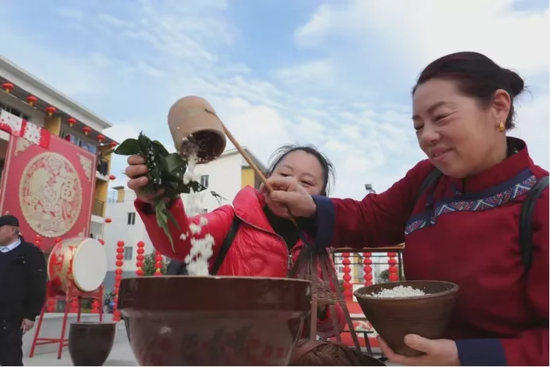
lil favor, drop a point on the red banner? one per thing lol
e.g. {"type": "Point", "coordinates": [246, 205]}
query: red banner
{"type": "Point", "coordinates": [49, 190]}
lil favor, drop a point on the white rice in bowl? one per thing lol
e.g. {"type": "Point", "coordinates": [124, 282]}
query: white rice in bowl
{"type": "Point", "coordinates": [398, 292]}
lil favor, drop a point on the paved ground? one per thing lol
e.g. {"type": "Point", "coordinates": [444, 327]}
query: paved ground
{"type": "Point", "coordinates": [121, 355]}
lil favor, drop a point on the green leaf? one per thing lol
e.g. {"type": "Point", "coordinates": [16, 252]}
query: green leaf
{"type": "Point", "coordinates": [128, 147]}
{"type": "Point", "coordinates": [174, 161]}
{"type": "Point", "coordinates": [173, 220]}
{"type": "Point", "coordinates": [144, 143]}
{"type": "Point", "coordinates": [162, 219]}
{"type": "Point", "coordinates": [161, 149]}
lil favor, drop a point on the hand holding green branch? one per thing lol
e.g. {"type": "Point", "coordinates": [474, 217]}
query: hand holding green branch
{"type": "Point", "coordinates": [165, 176]}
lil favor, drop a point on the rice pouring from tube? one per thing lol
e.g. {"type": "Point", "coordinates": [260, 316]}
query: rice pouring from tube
{"type": "Point", "coordinates": [201, 247]}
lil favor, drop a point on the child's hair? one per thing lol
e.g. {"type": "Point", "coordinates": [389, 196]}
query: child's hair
{"type": "Point", "coordinates": [328, 168]}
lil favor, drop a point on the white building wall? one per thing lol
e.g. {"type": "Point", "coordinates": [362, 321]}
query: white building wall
{"type": "Point", "coordinates": [224, 178]}
{"type": "Point", "coordinates": [120, 230]}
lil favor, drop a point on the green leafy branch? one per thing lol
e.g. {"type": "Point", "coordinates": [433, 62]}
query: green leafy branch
{"type": "Point", "coordinates": [165, 176]}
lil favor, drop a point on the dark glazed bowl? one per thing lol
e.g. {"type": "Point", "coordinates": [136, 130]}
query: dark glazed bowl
{"type": "Point", "coordinates": [393, 318]}
{"type": "Point", "coordinates": [214, 321]}
{"type": "Point", "coordinates": [90, 343]}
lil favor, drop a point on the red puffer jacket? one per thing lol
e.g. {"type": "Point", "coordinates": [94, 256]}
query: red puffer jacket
{"type": "Point", "coordinates": [256, 250]}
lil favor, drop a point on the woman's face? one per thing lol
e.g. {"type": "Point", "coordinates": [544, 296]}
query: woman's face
{"type": "Point", "coordinates": [305, 168]}
{"type": "Point", "coordinates": [458, 134]}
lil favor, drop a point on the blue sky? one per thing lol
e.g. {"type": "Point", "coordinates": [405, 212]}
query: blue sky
{"type": "Point", "coordinates": [336, 73]}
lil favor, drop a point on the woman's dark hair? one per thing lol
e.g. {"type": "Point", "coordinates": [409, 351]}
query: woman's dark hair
{"type": "Point", "coordinates": [476, 76]}
{"type": "Point", "coordinates": [328, 168]}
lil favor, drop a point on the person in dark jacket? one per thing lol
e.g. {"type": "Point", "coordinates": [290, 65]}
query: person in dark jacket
{"type": "Point", "coordinates": [22, 289]}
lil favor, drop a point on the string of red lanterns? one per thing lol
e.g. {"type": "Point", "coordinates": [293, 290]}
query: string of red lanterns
{"type": "Point", "coordinates": [51, 110]}
{"type": "Point", "coordinates": [348, 288]}
{"type": "Point", "coordinates": [367, 268]}
{"type": "Point", "coordinates": [158, 264]}
{"type": "Point", "coordinates": [118, 277]}
{"type": "Point", "coordinates": [139, 258]}
{"type": "Point", "coordinates": [393, 270]}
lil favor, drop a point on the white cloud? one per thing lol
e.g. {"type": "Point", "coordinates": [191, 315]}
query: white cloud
{"type": "Point", "coordinates": [420, 31]}
{"type": "Point", "coordinates": [533, 127]}
{"type": "Point", "coordinates": [319, 73]}
{"type": "Point", "coordinates": [158, 51]}
{"type": "Point", "coordinates": [321, 23]}
{"type": "Point", "coordinates": [410, 34]}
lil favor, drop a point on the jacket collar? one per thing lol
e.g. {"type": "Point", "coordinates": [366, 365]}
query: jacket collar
{"type": "Point", "coordinates": [248, 205]}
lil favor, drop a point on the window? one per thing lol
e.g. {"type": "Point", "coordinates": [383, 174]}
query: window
{"type": "Point", "coordinates": [128, 253]}
{"type": "Point", "coordinates": [204, 180]}
{"type": "Point", "coordinates": [14, 111]}
{"type": "Point", "coordinates": [131, 218]}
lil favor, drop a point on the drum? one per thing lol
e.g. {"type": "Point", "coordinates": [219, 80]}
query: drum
{"type": "Point", "coordinates": [79, 262]}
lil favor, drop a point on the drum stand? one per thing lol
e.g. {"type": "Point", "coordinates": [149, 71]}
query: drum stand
{"type": "Point", "coordinates": [71, 294]}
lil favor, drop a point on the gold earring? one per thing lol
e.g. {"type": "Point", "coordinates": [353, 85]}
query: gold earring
{"type": "Point", "coordinates": [501, 127]}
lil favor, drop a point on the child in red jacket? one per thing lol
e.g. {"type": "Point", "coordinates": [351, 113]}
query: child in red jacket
{"type": "Point", "coordinates": [266, 242]}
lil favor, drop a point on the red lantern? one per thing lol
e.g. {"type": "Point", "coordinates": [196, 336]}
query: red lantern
{"type": "Point", "coordinates": [140, 272]}
{"type": "Point", "coordinates": [108, 220]}
{"type": "Point", "coordinates": [100, 138]}
{"type": "Point", "coordinates": [120, 244]}
{"type": "Point", "coordinates": [113, 144]}
{"type": "Point", "coordinates": [140, 250]}
{"type": "Point", "coordinates": [50, 110]}
{"type": "Point", "coordinates": [112, 177]}
{"type": "Point", "coordinates": [51, 304]}
{"type": "Point", "coordinates": [120, 250]}
{"type": "Point", "coordinates": [95, 306]}
{"type": "Point", "coordinates": [86, 130]}
{"type": "Point", "coordinates": [71, 121]}
{"type": "Point", "coordinates": [7, 86]}
{"type": "Point", "coordinates": [31, 100]}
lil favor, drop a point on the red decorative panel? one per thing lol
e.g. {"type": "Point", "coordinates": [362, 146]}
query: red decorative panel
{"type": "Point", "coordinates": [50, 190]}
